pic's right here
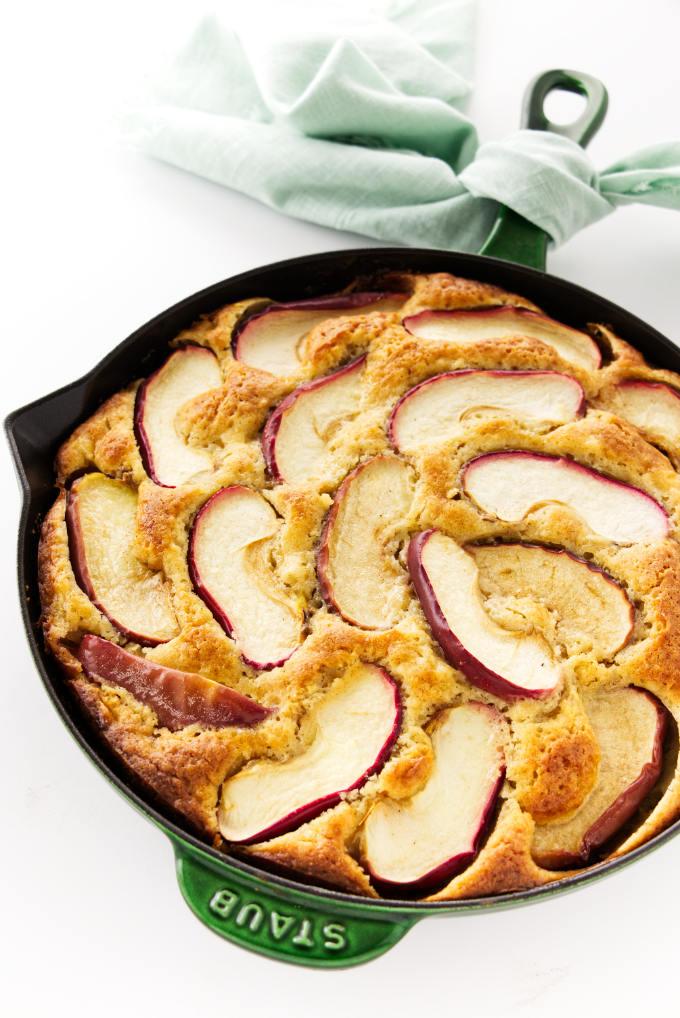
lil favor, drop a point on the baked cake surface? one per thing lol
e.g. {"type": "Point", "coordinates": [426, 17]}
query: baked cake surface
{"type": "Point", "coordinates": [383, 590]}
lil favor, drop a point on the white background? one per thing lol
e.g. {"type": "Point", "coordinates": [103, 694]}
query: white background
{"type": "Point", "coordinates": [96, 241]}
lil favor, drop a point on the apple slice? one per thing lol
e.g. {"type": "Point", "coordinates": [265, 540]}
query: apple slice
{"type": "Point", "coordinates": [230, 570]}
{"type": "Point", "coordinates": [357, 571]}
{"type": "Point", "coordinates": [167, 458]}
{"type": "Point", "coordinates": [178, 698]}
{"type": "Point", "coordinates": [270, 340]}
{"type": "Point", "coordinates": [654, 408]}
{"type": "Point", "coordinates": [432, 411]}
{"type": "Point", "coordinates": [101, 525]}
{"type": "Point", "coordinates": [498, 322]}
{"type": "Point", "coordinates": [508, 665]}
{"type": "Point", "coordinates": [354, 728]}
{"type": "Point", "coordinates": [629, 725]}
{"type": "Point", "coordinates": [296, 437]}
{"type": "Point", "coordinates": [587, 608]}
{"type": "Point", "coordinates": [419, 844]}
{"type": "Point", "coordinates": [510, 485]}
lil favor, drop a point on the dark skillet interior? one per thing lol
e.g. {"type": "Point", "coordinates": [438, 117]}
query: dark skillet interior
{"type": "Point", "coordinates": [36, 431]}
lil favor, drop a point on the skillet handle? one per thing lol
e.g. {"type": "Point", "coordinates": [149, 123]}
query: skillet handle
{"type": "Point", "coordinates": [512, 237]}
{"type": "Point", "coordinates": [282, 921]}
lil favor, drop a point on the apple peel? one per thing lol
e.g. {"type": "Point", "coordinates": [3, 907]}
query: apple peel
{"type": "Point", "coordinates": [355, 726]}
{"type": "Point", "coordinates": [511, 484]}
{"type": "Point", "coordinates": [356, 576]}
{"type": "Point", "coordinates": [179, 699]}
{"type": "Point", "coordinates": [475, 325]}
{"type": "Point", "coordinates": [100, 522]}
{"type": "Point", "coordinates": [416, 846]}
{"type": "Point", "coordinates": [652, 407]}
{"type": "Point", "coordinates": [506, 664]}
{"type": "Point", "coordinates": [270, 339]}
{"type": "Point", "coordinates": [168, 459]}
{"type": "Point", "coordinates": [296, 436]}
{"type": "Point", "coordinates": [230, 571]}
{"type": "Point", "coordinates": [434, 410]}
{"type": "Point", "coordinates": [631, 743]}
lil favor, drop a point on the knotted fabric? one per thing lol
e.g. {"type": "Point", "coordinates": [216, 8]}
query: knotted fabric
{"type": "Point", "coordinates": [356, 121]}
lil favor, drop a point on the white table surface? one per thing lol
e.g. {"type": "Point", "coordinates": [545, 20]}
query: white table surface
{"type": "Point", "coordinates": [97, 240]}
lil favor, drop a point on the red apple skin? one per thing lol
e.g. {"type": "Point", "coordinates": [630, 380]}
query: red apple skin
{"type": "Point", "coordinates": [623, 807]}
{"type": "Point", "coordinates": [207, 597]}
{"type": "Point", "coordinates": [441, 875]}
{"type": "Point", "coordinates": [76, 546]}
{"type": "Point", "coordinates": [178, 698]}
{"type": "Point", "coordinates": [311, 810]}
{"type": "Point", "coordinates": [454, 651]}
{"type": "Point", "coordinates": [139, 429]}
{"type": "Point", "coordinates": [572, 464]}
{"type": "Point", "coordinates": [271, 428]}
{"type": "Point", "coordinates": [339, 302]}
{"type": "Point", "coordinates": [651, 387]}
{"type": "Point", "coordinates": [202, 591]}
{"type": "Point", "coordinates": [472, 371]}
{"type": "Point", "coordinates": [499, 309]}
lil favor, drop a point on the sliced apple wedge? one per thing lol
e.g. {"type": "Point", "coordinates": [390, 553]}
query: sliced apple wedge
{"type": "Point", "coordinates": [654, 408]}
{"type": "Point", "coordinates": [418, 845]}
{"type": "Point", "coordinates": [587, 609]}
{"type": "Point", "coordinates": [354, 728]}
{"type": "Point", "coordinates": [271, 339]}
{"type": "Point", "coordinates": [178, 698]}
{"type": "Point", "coordinates": [432, 411]}
{"type": "Point", "coordinates": [167, 458]}
{"type": "Point", "coordinates": [629, 725]}
{"type": "Point", "coordinates": [358, 575]}
{"type": "Point", "coordinates": [498, 322]}
{"type": "Point", "coordinates": [101, 521]}
{"type": "Point", "coordinates": [507, 664]}
{"type": "Point", "coordinates": [296, 437]}
{"type": "Point", "coordinates": [230, 570]}
{"type": "Point", "coordinates": [509, 485]}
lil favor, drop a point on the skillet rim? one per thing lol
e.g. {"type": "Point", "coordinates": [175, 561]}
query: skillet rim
{"type": "Point", "coordinates": [33, 452]}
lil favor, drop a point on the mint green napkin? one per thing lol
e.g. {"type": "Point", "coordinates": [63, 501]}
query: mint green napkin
{"type": "Point", "coordinates": [356, 121]}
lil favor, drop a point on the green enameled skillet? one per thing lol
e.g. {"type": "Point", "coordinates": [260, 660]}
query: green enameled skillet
{"type": "Point", "coordinates": [265, 912]}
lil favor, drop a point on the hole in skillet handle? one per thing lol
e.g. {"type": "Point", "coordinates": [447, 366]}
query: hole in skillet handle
{"type": "Point", "coordinates": [562, 107]}
{"type": "Point", "coordinates": [512, 237]}
{"type": "Point", "coordinates": [586, 126]}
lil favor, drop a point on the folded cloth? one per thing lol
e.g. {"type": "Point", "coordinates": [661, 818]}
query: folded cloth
{"type": "Point", "coordinates": [355, 120]}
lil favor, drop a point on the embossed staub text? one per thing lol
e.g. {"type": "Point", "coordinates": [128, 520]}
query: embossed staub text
{"type": "Point", "coordinates": [301, 931]}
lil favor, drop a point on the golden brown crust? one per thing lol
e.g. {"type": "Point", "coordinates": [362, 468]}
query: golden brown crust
{"type": "Point", "coordinates": [161, 520]}
{"type": "Point", "coordinates": [552, 754]}
{"type": "Point", "coordinates": [184, 772]}
{"type": "Point", "coordinates": [234, 413]}
{"type": "Point", "coordinates": [104, 442]}
{"type": "Point", "coordinates": [442, 292]}
{"type": "Point", "coordinates": [319, 851]}
{"type": "Point", "coordinates": [556, 774]}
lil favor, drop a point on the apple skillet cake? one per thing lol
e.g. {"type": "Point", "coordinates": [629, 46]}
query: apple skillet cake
{"type": "Point", "coordinates": [382, 589]}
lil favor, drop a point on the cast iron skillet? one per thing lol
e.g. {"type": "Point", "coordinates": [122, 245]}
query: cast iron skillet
{"type": "Point", "coordinates": [268, 913]}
